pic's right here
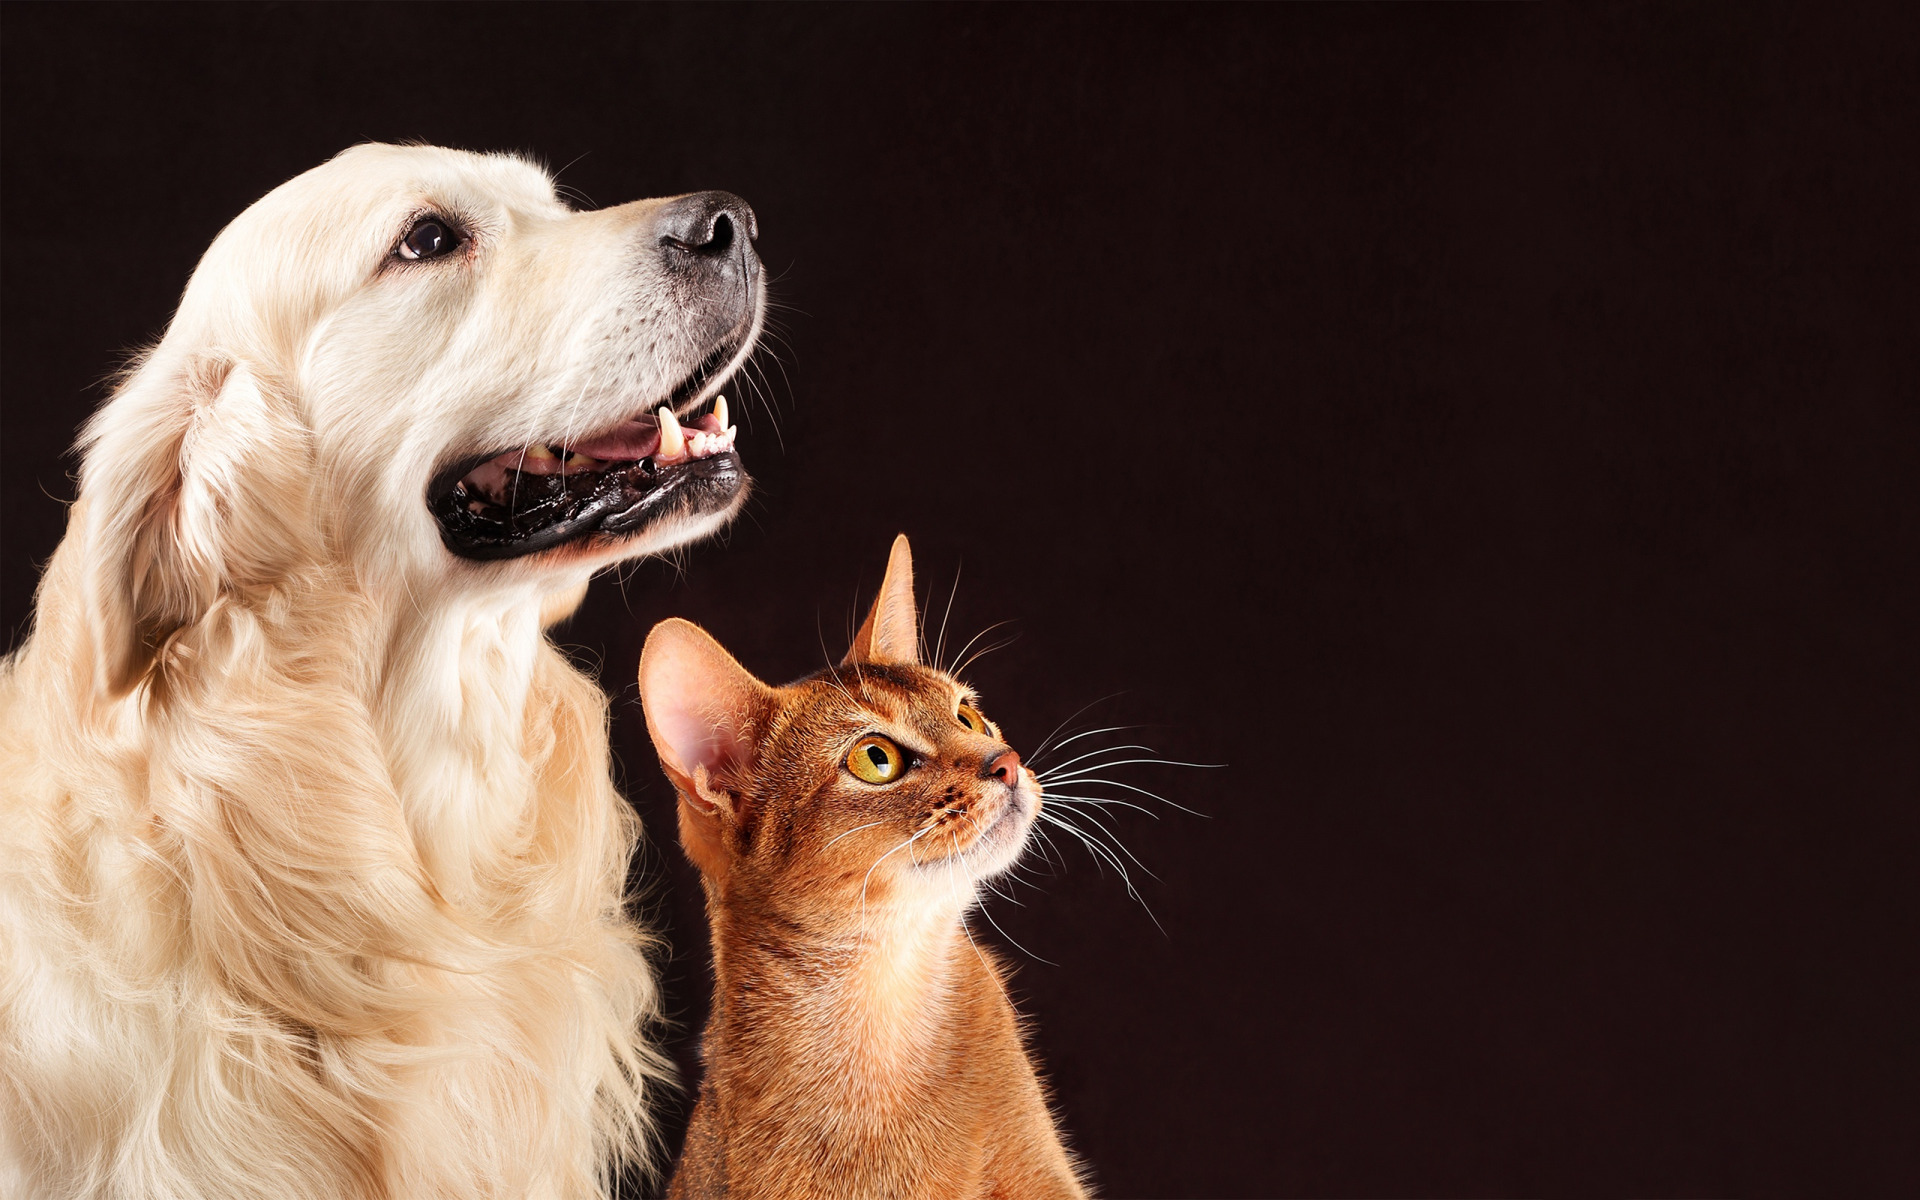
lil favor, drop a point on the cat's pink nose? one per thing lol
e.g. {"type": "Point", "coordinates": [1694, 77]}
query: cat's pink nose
{"type": "Point", "coordinates": [1005, 768]}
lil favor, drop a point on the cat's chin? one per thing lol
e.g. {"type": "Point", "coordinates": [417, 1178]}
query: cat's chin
{"type": "Point", "coordinates": [999, 846]}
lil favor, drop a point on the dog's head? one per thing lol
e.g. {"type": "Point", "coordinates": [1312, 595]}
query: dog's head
{"type": "Point", "coordinates": [421, 369]}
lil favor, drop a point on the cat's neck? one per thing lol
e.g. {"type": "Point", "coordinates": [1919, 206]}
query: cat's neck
{"type": "Point", "coordinates": [877, 1057]}
{"type": "Point", "coordinates": [873, 997]}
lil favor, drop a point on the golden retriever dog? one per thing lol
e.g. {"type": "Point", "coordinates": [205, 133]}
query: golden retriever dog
{"type": "Point", "coordinates": [311, 865]}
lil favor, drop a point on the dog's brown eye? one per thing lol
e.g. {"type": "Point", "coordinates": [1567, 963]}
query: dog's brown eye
{"type": "Point", "coordinates": [430, 237]}
{"type": "Point", "coordinates": [971, 718]}
{"type": "Point", "coordinates": [876, 760]}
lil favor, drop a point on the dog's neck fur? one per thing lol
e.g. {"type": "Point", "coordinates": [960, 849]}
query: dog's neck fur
{"type": "Point", "coordinates": [447, 700]}
{"type": "Point", "coordinates": [467, 666]}
{"type": "Point", "coordinates": [441, 681]}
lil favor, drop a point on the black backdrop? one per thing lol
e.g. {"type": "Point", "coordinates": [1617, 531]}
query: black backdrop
{"type": "Point", "coordinates": [1490, 430]}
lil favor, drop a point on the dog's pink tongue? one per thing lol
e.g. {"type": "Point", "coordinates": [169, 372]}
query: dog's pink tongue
{"type": "Point", "coordinates": [634, 440]}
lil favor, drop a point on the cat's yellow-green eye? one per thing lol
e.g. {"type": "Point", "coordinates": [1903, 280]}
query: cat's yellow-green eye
{"type": "Point", "coordinates": [876, 760]}
{"type": "Point", "coordinates": [971, 718]}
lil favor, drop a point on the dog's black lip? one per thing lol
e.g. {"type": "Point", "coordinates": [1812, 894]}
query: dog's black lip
{"type": "Point", "coordinates": [443, 481]}
{"type": "Point", "coordinates": [614, 507]}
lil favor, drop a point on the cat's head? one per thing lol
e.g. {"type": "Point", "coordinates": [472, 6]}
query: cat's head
{"type": "Point", "coordinates": [872, 783]}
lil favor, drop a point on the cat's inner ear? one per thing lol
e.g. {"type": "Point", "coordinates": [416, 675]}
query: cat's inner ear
{"type": "Point", "coordinates": [702, 710]}
{"type": "Point", "coordinates": [891, 633]}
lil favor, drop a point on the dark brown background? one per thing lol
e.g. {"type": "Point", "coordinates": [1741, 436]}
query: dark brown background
{"type": "Point", "coordinates": [1490, 430]}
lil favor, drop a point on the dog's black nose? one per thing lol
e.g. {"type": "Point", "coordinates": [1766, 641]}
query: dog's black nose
{"type": "Point", "coordinates": [714, 226]}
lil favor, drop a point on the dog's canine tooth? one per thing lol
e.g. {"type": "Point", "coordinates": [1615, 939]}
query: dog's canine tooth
{"type": "Point", "coordinates": [672, 443]}
{"type": "Point", "coordinates": [539, 452]}
{"type": "Point", "coordinates": [720, 411]}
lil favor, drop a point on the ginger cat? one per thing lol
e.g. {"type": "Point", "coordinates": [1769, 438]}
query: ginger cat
{"type": "Point", "coordinates": [860, 1044]}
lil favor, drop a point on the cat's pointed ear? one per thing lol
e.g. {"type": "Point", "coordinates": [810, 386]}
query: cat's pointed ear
{"type": "Point", "coordinates": [703, 711]}
{"type": "Point", "coordinates": [891, 633]}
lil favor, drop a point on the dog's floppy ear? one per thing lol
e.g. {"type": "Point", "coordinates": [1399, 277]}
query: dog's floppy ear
{"type": "Point", "coordinates": [193, 483]}
{"type": "Point", "coordinates": [891, 633]}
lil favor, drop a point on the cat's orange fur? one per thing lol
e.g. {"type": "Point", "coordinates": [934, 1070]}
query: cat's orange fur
{"type": "Point", "coordinates": [860, 1044]}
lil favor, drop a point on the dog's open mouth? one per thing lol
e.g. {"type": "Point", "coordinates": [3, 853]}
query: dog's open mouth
{"type": "Point", "coordinates": [616, 482]}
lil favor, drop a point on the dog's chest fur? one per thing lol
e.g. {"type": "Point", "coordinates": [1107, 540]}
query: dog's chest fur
{"type": "Point", "coordinates": [331, 908]}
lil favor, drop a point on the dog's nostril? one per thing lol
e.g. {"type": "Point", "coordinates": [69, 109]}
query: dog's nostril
{"type": "Point", "coordinates": [705, 225]}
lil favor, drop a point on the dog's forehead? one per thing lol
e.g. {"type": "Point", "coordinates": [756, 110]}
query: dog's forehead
{"type": "Point", "coordinates": [383, 178]}
{"type": "Point", "coordinates": [353, 204]}
{"type": "Point", "coordinates": [319, 235]}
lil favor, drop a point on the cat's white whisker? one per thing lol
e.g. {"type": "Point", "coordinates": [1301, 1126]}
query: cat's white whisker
{"type": "Point", "coordinates": [980, 881]}
{"type": "Point", "coordinates": [1074, 801]}
{"type": "Point", "coordinates": [970, 643]}
{"type": "Point", "coordinates": [940, 647]}
{"type": "Point", "coordinates": [1103, 854]}
{"type": "Point", "coordinates": [1054, 771]}
{"type": "Point", "coordinates": [982, 653]}
{"type": "Point", "coordinates": [1113, 839]}
{"type": "Point", "coordinates": [977, 952]}
{"type": "Point", "coordinates": [854, 830]}
{"type": "Point", "coordinates": [1044, 746]}
{"type": "Point", "coordinates": [968, 817]}
{"type": "Point", "coordinates": [868, 878]}
{"type": "Point", "coordinates": [1016, 945]}
{"type": "Point", "coordinates": [1048, 849]}
{"type": "Point", "coordinates": [1107, 845]}
{"type": "Point", "coordinates": [1087, 781]}
{"type": "Point", "coordinates": [1055, 775]}
{"type": "Point", "coordinates": [952, 863]}
{"type": "Point", "coordinates": [833, 671]}
{"type": "Point", "coordinates": [1044, 742]}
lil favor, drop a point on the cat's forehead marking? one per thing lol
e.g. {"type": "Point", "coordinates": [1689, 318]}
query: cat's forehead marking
{"type": "Point", "coordinates": [891, 692]}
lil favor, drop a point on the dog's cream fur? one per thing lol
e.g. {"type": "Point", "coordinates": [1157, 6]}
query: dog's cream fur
{"type": "Point", "coordinates": [311, 868]}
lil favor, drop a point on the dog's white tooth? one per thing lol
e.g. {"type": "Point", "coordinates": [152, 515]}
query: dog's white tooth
{"type": "Point", "coordinates": [720, 411]}
{"type": "Point", "coordinates": [731, 430]}
{"type": "Point", "coordinates": [672, 442]}
{"type": "Point", "coordinates": [539, 451]}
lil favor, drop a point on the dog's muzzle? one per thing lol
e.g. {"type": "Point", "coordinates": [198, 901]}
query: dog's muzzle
{"type": "Point", "coordinates": [653, 467]}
